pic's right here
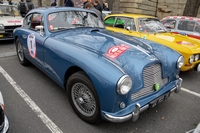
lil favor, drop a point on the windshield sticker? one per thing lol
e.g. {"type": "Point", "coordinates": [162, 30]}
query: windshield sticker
{"type": "Point", "coordinates": [116, 51]}
{"type": "Point", "coordinates": [31, 45]}
{"type": "Point", "coordinates": [185, 43]}
{"type": "Point", "coordinates": [14, 21]}
{"type": "Point", "coordinates": [51, 27]}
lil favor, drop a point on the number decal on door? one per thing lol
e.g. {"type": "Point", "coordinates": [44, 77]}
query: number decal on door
{"type": "Point", "coordinates": [31, 45]}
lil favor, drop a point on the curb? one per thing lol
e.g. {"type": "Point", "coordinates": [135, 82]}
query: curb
{"type": "Point", "coordinates": [7, 54]}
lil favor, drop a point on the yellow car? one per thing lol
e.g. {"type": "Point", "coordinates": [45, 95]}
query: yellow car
{"type": "Point", "coordinates": [151, 28]}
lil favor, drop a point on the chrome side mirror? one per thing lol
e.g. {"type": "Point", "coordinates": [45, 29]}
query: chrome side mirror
{"type": "Point", "coordinates": [40, 28]}
{"type": "Point", "coordinates": [128, 28]}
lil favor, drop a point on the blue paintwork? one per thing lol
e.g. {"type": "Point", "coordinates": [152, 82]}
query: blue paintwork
{"type": "Point", "coordinates": [86, 49]}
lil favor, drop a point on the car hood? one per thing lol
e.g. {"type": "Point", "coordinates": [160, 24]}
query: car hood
{"type": "Point", "coordinates": [126, 52]}
{"type": "Point", "coordinates": [11, 20]}
{"type": "Point", "coordinates": [178, 42]}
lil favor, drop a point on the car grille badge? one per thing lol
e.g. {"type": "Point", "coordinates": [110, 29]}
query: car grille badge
{"type": "Point", "coordinates": [156, 87]}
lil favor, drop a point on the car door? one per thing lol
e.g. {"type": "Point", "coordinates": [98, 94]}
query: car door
{"type": "Point", "coordinates": [33, 39]}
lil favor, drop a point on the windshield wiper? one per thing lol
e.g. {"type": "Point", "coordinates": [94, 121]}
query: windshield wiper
{"type": "Point", "coordinates": [79, 25]}
{"type": "Point", "coordinates": [5, 14]}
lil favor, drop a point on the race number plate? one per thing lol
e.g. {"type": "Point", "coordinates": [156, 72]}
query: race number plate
{"type": "Point", "coordinates": [159, 99]}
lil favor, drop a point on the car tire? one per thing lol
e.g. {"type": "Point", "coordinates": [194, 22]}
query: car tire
{"type": "Point", "coordinates": [83, 98]}
{"type": "Point", "coordinates": [20, 53]}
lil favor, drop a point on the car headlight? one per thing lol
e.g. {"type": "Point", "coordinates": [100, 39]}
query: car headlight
{"type": "Point", "coordinates": [180, 62]}
{"type": "Point", "coordinates": [124, 85]}
{"type": "Point", "coordinates": [191, 59]}
{"type": "Point", "coordinates": [1, 26]}
{"type": "Point", "coordinates": [196, 57]}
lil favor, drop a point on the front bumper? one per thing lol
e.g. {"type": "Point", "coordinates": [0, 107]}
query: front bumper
{"type": "Point", "coordinates": [138, 109]}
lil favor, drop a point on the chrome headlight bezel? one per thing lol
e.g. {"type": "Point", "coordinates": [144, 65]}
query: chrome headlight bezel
{"type": "Point", "coordinates": [1, 26]}
{"type": "Point", "coordinates": [124, 85]}
{"type": "Point", "coordinates": [180, 62]}
{"type": "Point", "coordinates": [191, 59]}
{"type": "Point", "coordinates": [196, 57]}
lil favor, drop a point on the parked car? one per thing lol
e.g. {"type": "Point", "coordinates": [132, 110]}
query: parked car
{"type": "Point", "coordinates": [106, 75]}
{"type": "Point", "coordinates": [10, 19]}
{"type": "Point", "coordinates": [189, 26]}
{"type": "Point", "coordinates": [150, 28]}
{"type": "Point", "coordinates": [4, 123]}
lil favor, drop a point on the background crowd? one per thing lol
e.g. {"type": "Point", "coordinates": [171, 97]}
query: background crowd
{"type": "Point", "coordinates": [24, 6]}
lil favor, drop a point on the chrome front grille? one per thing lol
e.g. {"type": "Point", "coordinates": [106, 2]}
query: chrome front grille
{"type": "Point", "coordinates": [152, 75]}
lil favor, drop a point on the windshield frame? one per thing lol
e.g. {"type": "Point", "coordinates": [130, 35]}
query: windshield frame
{"type": "Point", "coordinates": [73, 27]}
{"type": "Point", "coordinates": [164, 29]}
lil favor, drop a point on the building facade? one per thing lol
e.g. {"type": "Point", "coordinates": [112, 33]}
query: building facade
{"type": "Point", "coordinates": [159, 8]}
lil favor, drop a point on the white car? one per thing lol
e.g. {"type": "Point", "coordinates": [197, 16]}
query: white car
{"type": "Point", "coordinates": [4, 123]}
{"type": "Point", "coordinates": [10, 18]}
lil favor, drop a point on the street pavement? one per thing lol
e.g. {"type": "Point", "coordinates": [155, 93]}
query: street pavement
{"type": "Point", "coordinates": [35, 104]}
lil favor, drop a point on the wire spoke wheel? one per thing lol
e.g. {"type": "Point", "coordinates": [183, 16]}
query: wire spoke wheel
{"type": "Point", "coordinates": [83, 99]}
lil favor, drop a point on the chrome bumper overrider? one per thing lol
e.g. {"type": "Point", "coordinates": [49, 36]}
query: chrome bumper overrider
{"type": "Point", "coordinates": [138, 109]}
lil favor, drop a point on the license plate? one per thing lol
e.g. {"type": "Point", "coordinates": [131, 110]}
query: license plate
{"type": "Point", "coordinates": [159, 99]}
{"type": "Point", "coordinates": [1, 35]}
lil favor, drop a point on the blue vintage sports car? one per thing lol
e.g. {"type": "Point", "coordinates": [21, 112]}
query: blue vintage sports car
{"type": "Point", "coordinates": [106, 75]}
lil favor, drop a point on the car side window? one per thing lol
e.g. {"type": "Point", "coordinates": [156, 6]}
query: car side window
{"type": "Point", "coordinates": [170, 23]}
{"type": "Point", "coordinates": [33, 20]}
{"type": "Point", "coordinates": [197, 27]}
{"type": "Point", "coordinates": [110, 21]}
{"type": "Point", "coordinates": [186, 25]}
{"type": "Point", "coordinates": [130, 23]}
{"type": "Point", "coordinates": [27, 21]}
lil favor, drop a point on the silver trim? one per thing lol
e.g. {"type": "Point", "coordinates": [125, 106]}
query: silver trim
{"type": "Point", "coordinates": [136, 112]}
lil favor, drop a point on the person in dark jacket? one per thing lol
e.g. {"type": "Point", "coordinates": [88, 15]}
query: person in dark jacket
{"type": "Point", "coordinates": [69, 3]}
{"type": "Point", "coordinates": [89, 6]}
{"type": "Point", "coordinates": [105, 6]}
{"type": "Point", "coordinates": [54, 3]}
{"type": "Point", "coordinates": [84, 2]}
{"type": "Point", "coordinates": [10, 2]}
{"type": "Point", "coordinates": [97, 5]}
{"type": "Point", "coordinates": [30, 5]}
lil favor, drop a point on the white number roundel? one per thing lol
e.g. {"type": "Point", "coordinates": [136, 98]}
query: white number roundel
{"type": "Point", "coordinates": [31, 45]}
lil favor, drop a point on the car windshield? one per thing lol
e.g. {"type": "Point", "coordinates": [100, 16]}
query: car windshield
{"type": "Point", "coordinates": [6, 10]}
{"type": "Point", "coordinates": [151, 25]}
{"type": "Point", "coordinates": [73, 19]}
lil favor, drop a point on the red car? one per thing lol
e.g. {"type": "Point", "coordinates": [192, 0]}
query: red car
{"type": "Point", "coordinates": [189, 26]}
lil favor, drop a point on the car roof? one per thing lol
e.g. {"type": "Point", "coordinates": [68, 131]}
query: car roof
{"type": "Point", "coordinates": [48, 10]}
{"type": "Point", "coordinates": [133, 15]}
{"type": "Point", "coordinates": [182, 18]}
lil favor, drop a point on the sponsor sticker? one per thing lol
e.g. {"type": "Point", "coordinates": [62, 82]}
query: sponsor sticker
{"type": "Point", "coordinates": [116, 51]}
{"type": "Point", "coordinates": [185, 43]}
{"type": "Point", "coordinates": [31, 45]}
{"type": "Point", "coordinates": [14, 21]}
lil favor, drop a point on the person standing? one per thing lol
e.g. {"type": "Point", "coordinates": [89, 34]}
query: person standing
{"type": "Point", "coordinates": [22, 7]}
{"type": "Point", "coordinates": [89, 6]}
{"type": "Point", "coordinates": [105, 6]}
{"type": "Point", "coordinates": [69, 3]}
{"type": "Point", "coordinates": [10, 2]}
{"type": "Point", "coordinates": [54, 3]}
{"type": "Point", "coordinates": [97, 5]}
{"type": "Point", "coordinates": [84, 2]}
{"type": "Point", "coordinates": [30, 5]}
